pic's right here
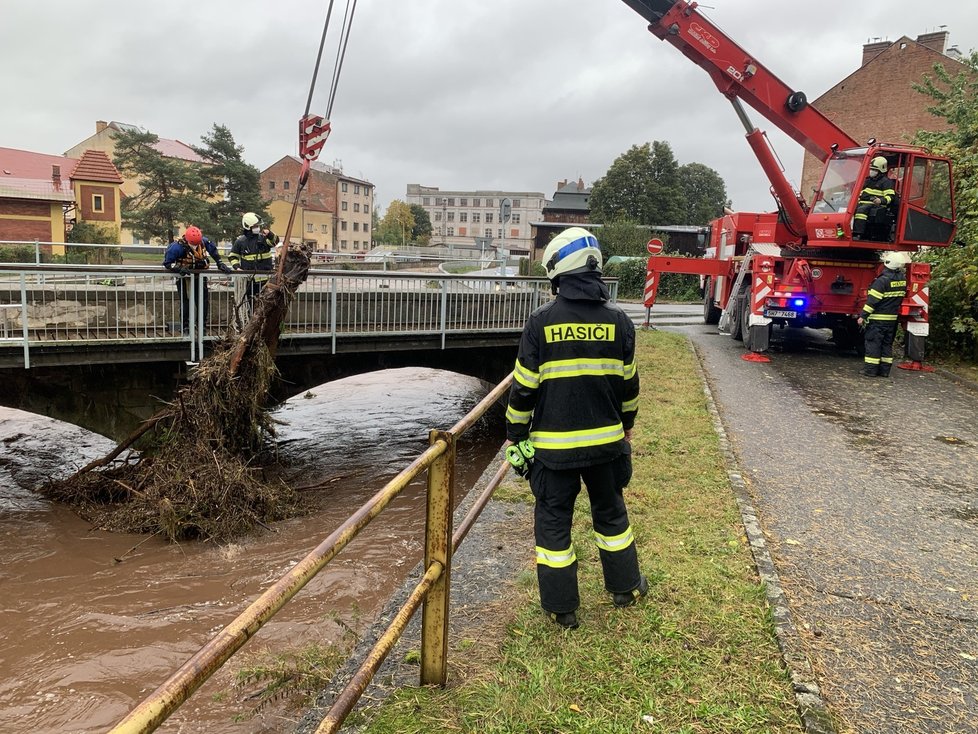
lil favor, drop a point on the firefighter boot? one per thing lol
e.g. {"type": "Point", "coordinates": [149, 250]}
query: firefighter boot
{"type": "Point", "coordinates": [567, 620]}
{"type": "Point", "coordinates": [628, 598]}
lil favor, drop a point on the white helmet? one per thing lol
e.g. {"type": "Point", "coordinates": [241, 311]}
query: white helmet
{"type": "Point", "coordinates": [896, 260]}
{"type": "Point", "coordinates": [878, 164]}
{"type": "Point", "coordinates": [250, 220]}
{"type": "Point", "coordinates": [574, 250]}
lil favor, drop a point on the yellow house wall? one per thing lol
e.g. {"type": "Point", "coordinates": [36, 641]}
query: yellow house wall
{"type": "Point", "coordinates": [280, 210]}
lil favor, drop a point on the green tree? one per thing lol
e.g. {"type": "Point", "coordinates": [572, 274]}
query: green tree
{"type": "Point", "coordinates": [421, 232]}
{"type": "Point", "coordinates": [92, 233]}
{"type": "Point", "coordinates": [235, 184]}
{"type": "Point", "coordinates": [954, 275]}
{"type": "Point", "coordinates": [624, 237]}
{"type": "Point", "coordinates": [171, 191]}
{"type": "Point", "coordinates": [703, 194]}
{"type": "Point", "coordinates": [398, 223]}
{"type": "Point", "coordinates": [642, 185]}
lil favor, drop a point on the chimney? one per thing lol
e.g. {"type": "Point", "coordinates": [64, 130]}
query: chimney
{"type": "Point", "coordinates": [100, 125]}
{"type": "Point", "coordinates": [874, 49]}
{"type": "Point", "coordinates": [580, 184]}
{"type": "Point", "coordinates": [561, 184]}
{"type": "Point", "coordinates": [56, 174]}
{"type": "Point", "coordinates": [934, 41]}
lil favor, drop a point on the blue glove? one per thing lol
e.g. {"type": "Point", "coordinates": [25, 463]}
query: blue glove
{"type": "Point", "coordinates": [520, 456]}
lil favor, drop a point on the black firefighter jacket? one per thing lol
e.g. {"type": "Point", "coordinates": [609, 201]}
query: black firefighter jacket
{"type": "Point", "coordinates": [885, 295]}
{"type": "Point", "coordinates": [575, 388]}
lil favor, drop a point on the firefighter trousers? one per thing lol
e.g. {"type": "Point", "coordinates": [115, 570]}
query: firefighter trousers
{"type": "Point", "coordinates": [555, 491]}
{"type": "Point", "coordinates": [879, 347]}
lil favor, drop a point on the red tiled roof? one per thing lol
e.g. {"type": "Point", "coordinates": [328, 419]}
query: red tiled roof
{"type": "Point", "coordinates": [25, 174]}
{"type": "Point", "coordinates": [96, 166]}
{"type": "Point", "coordinates": [176, 149]}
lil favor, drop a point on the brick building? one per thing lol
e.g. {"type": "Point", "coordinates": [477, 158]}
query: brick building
{"type": "Point", "coordinates": [570, 206]}
{"type": "Point", "coordinates": [878, 100]}
{"type": "Point", "coordinates": [40, 194]}
{"type": "Point", "coordinates": [335, 210]}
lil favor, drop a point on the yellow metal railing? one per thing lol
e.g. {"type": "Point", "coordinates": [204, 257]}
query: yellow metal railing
{"type": "Point", "coordinates": [432, 591]}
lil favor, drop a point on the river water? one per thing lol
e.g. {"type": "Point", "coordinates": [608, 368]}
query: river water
{"type": "Point", "coordinates": [93, 621]}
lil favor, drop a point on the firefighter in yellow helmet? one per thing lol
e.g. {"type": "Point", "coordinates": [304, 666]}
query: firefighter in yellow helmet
{"type": "Point", "coordinates": [878, 201]}
{"type": "Point", "coordinates": [883, 300]}
{"type": "Point", "coordinates": [570, 416]}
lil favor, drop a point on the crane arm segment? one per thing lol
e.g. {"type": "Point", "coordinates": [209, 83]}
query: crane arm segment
{"type": "Point", "coordinates": [737, 74]}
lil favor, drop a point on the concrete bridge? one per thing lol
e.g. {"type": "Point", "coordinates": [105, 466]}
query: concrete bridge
{"type": "Point", "coordinates": [100, 346]}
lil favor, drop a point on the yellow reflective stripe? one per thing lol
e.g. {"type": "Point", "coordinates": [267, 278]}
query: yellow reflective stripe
{"type": "Point", "coordinates": [558, 440]}
{"type": "Point", "coordinates": [555, 559]}
{"type": "Point", "coordinates": [518, 416]}
{"type": "Point", "coordinates": [886, 360]}
{"type": "Point", "coordinates": [875, 293]}
{"type": "Point", "coordinates": [894, 294]}
{"type": "Point", "coordinates": [882, 317]}
{"type": "Point", "coordinates": [872, 360]}
{"type": "Point", "coordinates": [867, 309]}
{"type": "Point", "coordinates": [581, 367]}
{"type": "Point", "coordinates": [859, 215]}
{"type": "Point", "coordinates": [526, 377]}
{"type": "Point", "coordinates": [629, 406]}
{"type": "Point", "coordinates": [879, 192]}
{"type": "Point", "coordinates": [614, 542]}
{"type": "Point", "coordinates": [260, 256]}
{"type": "Point", "coordinates": [630, 371]}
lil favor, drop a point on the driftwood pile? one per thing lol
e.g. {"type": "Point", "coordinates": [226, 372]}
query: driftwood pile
{"type": "Point", "coordinates": [198, 470]}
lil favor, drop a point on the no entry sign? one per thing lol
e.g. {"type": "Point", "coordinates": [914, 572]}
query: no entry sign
{"type": "Point", "coordinates": [654, 246]}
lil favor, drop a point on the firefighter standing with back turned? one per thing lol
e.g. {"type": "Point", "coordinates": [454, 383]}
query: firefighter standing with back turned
{"type": "Point", "coordinates": [883, 301]}
{"type": "Point", "coordinates": [570, 417]}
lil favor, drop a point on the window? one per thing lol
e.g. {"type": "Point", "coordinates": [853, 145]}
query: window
{"type": "Point", "coordinates": [437, 216]}
{"type": "Point", "coordinates": [309, 227]}
{"type": "Point", "coordinates": [451, 231]}
{"type": "Point", "coordinates": [325, 228]}
{"type": "Point", "coordinates": [476, 217]}
{"type": "Point", "coordinates": [271, 185]}
{"type": "Point", "coordinates": [488, 217]}
{"type": "Point", "coordinates": [516, 203]}
{"type": "Point", "coordinates": [488, 233]}
{"type": "Point", "coordinates": [425, 201]}
{"type": "Point", "coordinates": [516, 219]}
{"type": "Point", "coordinates": [98, 203]}
{"type": "Point", "coordinates": [285, 184]}
{"type": "Point", "coordinates": [342, 244]}
{"type": "Point", "coordinates": [499, 233]}
{"type": "Point", "coordinates": [475, 202]}
{"type": "Point", "coordinates": [451, 216]}
{"type": "Point", "coordinates": [488, 202]}
{"type": "Point", "coordinates": [343, 225]}
{"type": "Point", "coordinates": [356, 226]}
{"type": "Point", "coordinates": [343, 205]}
{"type": "Point", "coordinates": [344, 187]}
{"type": "Point", "coordinates": [366, 228]}
{"type": "Point", "coordinates": [463, 216]}
{"type": "Point", "coordinates": [463, 202]}
{"type": "Point", "coordinates": [366, 208]}
{"type": "Point", "coordinates": [451, 202]}
{"type": "Point", "coordinates": [356, 207]}
{"type": "Point", "coordinates": [356, 189]}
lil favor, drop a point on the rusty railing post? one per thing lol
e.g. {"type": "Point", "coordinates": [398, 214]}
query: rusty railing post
{"type": "Point", "coordinates": [438, 549]}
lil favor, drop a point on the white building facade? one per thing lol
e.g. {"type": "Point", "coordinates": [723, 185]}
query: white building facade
{"type": "Point", "coordinates": [473, 218]}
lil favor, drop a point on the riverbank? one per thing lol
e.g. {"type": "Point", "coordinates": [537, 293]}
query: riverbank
{"type": "Point", "coordinates": [699, 654]}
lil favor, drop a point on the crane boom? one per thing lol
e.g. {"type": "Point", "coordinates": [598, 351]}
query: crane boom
{"type": "Point", "coordinates": [737, 74]}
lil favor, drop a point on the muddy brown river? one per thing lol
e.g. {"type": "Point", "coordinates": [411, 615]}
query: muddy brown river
{"type": "Point", "coordinates": [92, 621]}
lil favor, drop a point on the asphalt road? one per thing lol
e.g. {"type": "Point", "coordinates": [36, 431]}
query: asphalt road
{"type": "Point", "coordinates": [867, 491]}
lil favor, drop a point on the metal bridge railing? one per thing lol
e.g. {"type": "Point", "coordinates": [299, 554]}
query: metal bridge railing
{"type": "Point", "coordinates": [62, 305]}
{"type": "Point", "coordinates": [431, 592]}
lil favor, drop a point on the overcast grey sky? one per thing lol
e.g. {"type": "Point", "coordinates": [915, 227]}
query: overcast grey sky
{"type": "Point", "coordinates": [498, 94]}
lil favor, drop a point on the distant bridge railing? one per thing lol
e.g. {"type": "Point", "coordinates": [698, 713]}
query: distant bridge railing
{"type": "Point", "coordinates": [58, 306]}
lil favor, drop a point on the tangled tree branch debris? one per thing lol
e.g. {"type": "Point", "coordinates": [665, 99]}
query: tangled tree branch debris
{"type": "Point", "coordinates": [198, 475]}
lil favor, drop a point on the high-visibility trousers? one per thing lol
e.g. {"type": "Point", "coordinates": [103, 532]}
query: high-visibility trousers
{"type": "Point", "coordinates": [555, 491]}
{"type": "Point", "coordinates": [879, 347]}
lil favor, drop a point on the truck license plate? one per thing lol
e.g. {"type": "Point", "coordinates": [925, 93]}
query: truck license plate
{"type": "Point", "coordinates": [782, 314]}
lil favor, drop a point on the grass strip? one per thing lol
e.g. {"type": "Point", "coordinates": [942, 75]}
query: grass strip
{"type": "Point", "coordinates": [698, 654]}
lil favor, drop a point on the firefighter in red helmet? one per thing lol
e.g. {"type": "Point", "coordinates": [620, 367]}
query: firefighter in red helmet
{"type": "Point", "coordinates": [188, 255]}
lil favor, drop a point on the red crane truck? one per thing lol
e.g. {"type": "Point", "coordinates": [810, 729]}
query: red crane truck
{"type": "Point", "coordinates": [801, 265]}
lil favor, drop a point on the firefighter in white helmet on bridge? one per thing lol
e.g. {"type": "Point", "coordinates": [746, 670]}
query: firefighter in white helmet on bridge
{"type": "Point", "coordinates": [252, 252]}
{"type": "Point", "coordinates": [570, 417]}
{"type": "Point", "coordinates": [883, 300]}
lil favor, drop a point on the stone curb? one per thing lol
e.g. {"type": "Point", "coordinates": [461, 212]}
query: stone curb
{"type": "Point", "coordinates": [815, 717]}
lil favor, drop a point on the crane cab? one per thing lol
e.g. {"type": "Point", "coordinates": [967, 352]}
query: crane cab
{"type": "Point", "coordinates": [921, 214]}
